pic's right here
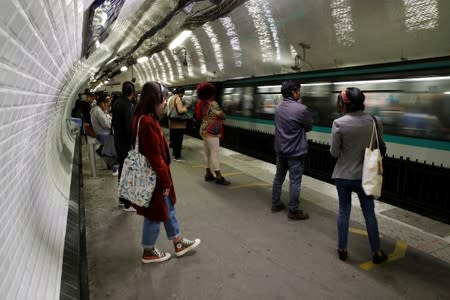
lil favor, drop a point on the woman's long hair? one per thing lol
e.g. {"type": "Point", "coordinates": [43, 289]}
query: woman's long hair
{"type": "Point", "coordinates": [152, 95]}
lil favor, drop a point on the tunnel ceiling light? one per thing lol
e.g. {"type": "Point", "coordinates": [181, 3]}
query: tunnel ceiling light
{"type": "Point", "coordinates": [180, 39]}
{"type": "Point", "coordinates": [112, 59]}
{"type": "Point", "coordinates": [421, 14]}
{"type": "Point", "coordinates": [123, 69]}
{"type": "Point", "coordinates": [142, 59]}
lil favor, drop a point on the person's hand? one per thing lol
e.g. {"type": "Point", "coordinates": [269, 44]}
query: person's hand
{"type": "Point", "coordinates": [166, 192]}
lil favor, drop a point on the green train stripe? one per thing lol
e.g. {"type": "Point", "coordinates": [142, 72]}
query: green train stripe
{"type": "Point", "coordinates": [411, 66]}
{"type": "Point", "coordinates": [404, 140]}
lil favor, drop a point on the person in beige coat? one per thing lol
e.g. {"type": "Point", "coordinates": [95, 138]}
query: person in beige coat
{"type": "Point", "coordinates": [177, 126]}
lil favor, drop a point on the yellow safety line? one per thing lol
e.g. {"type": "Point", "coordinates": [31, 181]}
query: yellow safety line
{"type": "Point", "coordinates": [198, 166]}
{"type": "Point", "coordinates": [233, 187]}
{"type": "Point", "coordinates": [399, 252]}
{"type": "Point", "coordinates": [357, 231]}
{"type": "Point", "coordinates": [231, 173]}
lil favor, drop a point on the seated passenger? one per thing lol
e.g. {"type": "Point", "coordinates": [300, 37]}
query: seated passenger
{"type": "Point", "coordinates": [101, 122]}
{"type": "Point", "coordinates": [85, 109]}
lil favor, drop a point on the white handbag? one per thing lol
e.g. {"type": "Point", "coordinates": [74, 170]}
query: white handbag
{"type": "Point", "coordinates": [372, 175]}
{"type": "Point", "coordinates": [138, 179]}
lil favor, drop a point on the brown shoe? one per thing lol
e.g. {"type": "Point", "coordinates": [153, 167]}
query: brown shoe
{"type": "Point", "coordinates": [298, 215]}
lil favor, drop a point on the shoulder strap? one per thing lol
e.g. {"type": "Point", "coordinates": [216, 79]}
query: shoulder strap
{"type": "Point", "coordinates": [136, 144]}
{"type": "Point", "coordinates": [171, 102]}
{"type": "Point", "coordinates": [374, 133]}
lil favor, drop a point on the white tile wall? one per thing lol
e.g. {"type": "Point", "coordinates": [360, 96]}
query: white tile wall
{"type": "Point", "coordinates": [40, 43]}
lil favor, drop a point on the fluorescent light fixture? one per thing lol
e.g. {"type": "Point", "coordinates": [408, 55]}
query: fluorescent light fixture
{"type": "Point", "coordinates": [429, 78]}
{"type": "Point", "coordinates": [316, 84]}
{"type": "Point", "coordinates": [112, 59]}
{"type": "Point", "coordinates": [368, 81]}
{"type": "Point", "coordinates": [180, 39]}
{"type": "Point", "coordinates": [142, 59]}
{"type": "Point", "coordinates": [123, 69]}
{"type": "Point", "coordinates": [269, 86]}
{"type": "Point", "coordinates": [447, 93]}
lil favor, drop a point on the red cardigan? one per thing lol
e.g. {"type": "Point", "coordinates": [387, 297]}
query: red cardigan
{"type": "Point", "coordinates": [153, 145]}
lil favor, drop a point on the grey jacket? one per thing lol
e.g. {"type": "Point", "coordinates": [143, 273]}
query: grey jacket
{"type": "Point", "coordinates": [292, 121]}
{"type": "Point", "coordinates": [349, 138]}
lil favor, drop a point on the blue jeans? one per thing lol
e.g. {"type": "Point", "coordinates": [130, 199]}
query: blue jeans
{"type": "Point", "coordinates": [345, 187]}
{"type": "Point", "coordinates": [150, 229]}
{"type": "Point", "coordinates": [295, 165]}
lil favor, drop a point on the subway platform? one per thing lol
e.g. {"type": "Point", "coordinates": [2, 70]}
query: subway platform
{"type": "Point", "coordinates": [248, 252]}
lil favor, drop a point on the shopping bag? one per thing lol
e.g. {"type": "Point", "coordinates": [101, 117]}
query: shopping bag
{"type": "Point", "coordinates": [372, 175]}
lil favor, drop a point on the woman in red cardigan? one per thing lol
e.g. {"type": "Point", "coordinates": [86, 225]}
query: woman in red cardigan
{"type": "Point", "coordinates": [153, 145]}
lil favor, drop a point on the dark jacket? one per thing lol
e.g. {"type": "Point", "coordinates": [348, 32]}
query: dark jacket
{"type": "Point", "coordinates": [85, 109]}
{"type": "Point", "coordinates": [292, 121]}
{"type": "Point", "coordinates": [122, 116]}
{"type": "Point", "coordinates": [153, 145]}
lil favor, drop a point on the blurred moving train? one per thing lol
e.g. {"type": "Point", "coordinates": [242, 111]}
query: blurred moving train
{"type": "Point", "coordinates": [412, 100]}
{"type": "Point", "coordinates": [415, 110]}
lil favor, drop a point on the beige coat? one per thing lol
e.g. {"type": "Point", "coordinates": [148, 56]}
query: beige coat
{"type": "Point", "coordinates": [176, 100]}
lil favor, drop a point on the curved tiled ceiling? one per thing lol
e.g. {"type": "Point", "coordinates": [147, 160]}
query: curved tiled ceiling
{"type": "Point", "coordinates": [258, 38]}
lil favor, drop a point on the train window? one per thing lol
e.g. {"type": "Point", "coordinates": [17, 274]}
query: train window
{"type": "Point", "coordinates": [267, 98]}
{"type": "Point", "coordinates": [271, 89]}
{"type": "Point", "coordinates": [238, 101]}
{"type": "Point", "coordinates": [418, 114]}
{"type": "Point", "coordinates": [190, 97]}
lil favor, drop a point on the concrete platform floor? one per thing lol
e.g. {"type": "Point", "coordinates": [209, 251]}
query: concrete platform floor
{"type": "Point", "coordinates": [247, 252]}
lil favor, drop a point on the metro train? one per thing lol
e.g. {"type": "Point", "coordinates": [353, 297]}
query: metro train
{"type": "Point", "coordinates": [414, 108]}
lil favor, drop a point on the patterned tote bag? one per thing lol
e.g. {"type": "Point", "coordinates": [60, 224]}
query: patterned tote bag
{"type": "Point", "coordinates": [138, 179]}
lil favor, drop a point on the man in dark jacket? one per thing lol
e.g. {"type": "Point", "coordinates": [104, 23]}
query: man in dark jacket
{"type": "Point", "coordinates": [122, 115]}
{"type": "Point", "coordinates": [292, 121]}
{"type": "Point", "coordinates": [85, 109]}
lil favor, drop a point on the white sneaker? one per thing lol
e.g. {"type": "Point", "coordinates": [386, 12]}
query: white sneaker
{"type": "Point", "coordinates": [129, 209]}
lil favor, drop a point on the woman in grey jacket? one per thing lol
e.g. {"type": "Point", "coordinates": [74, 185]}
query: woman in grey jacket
{"type": "Point", "coordinates": [350, 136]}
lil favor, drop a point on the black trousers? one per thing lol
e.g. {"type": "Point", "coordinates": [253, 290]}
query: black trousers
{"type": "Point", "coordinates": [176, 137]}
